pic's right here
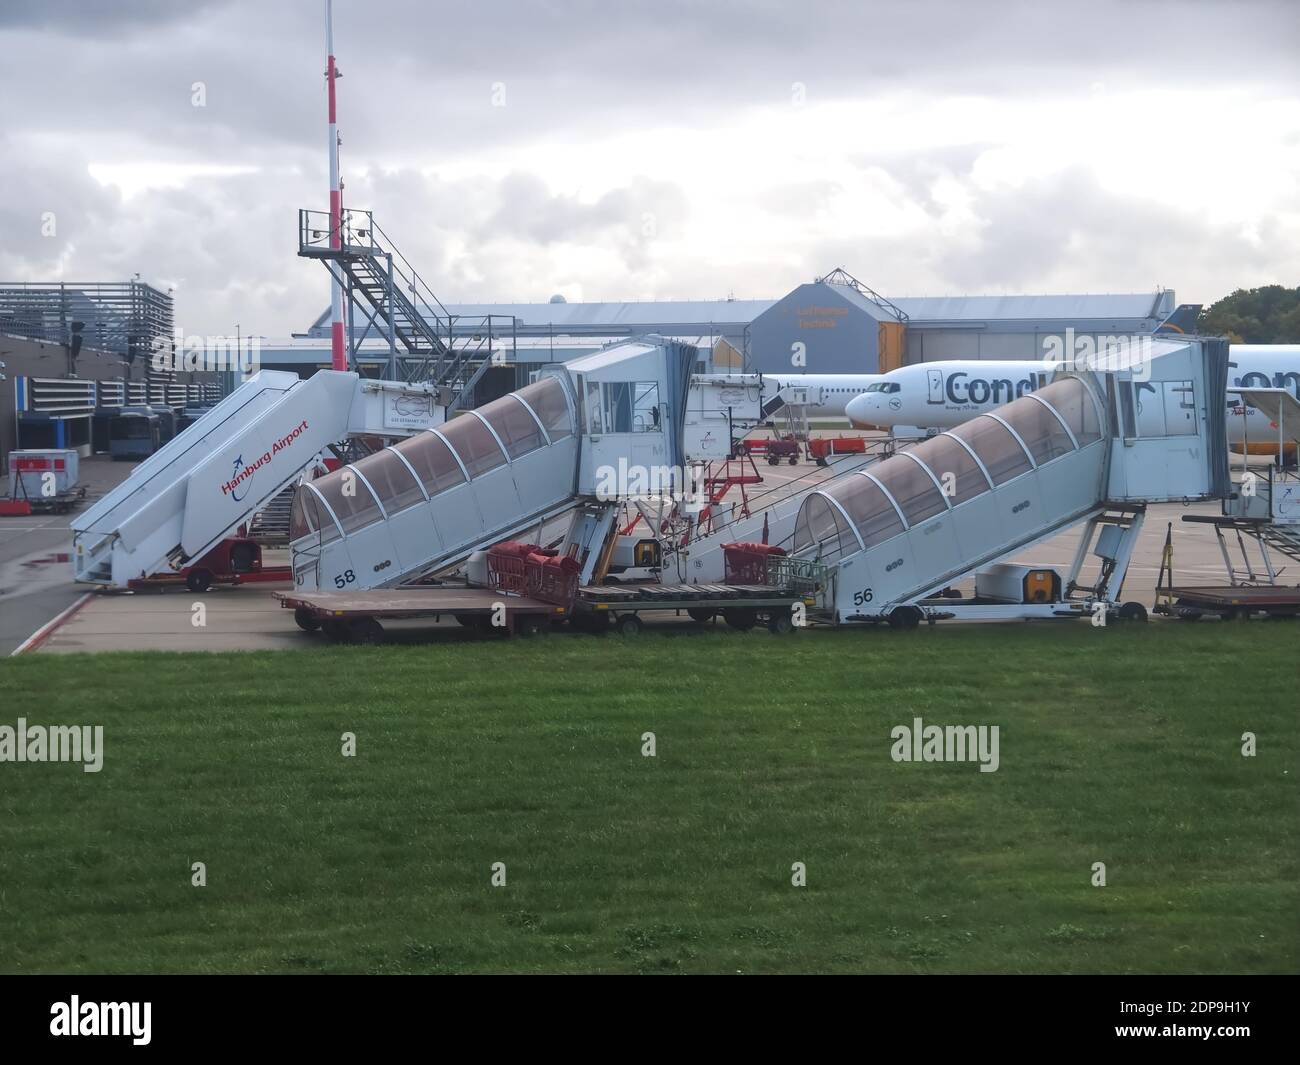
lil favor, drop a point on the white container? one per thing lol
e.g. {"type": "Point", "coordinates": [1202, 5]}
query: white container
{"type": "Point", "coordinates": [30, 470]}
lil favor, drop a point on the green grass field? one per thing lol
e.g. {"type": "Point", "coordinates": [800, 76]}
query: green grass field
{"type": "Point", "coordinates": [1120, 745]}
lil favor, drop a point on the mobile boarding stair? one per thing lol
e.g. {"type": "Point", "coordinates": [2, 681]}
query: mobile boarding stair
{"type": "Point", "coordinates": [215, 475]}
{"type": "Point", "coordinates": [887, 544]}
{"type": "Point", "coordinates": [420, 508]}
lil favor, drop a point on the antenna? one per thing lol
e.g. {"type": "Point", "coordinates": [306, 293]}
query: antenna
{"type": "Point", "coordinates": [338, 356]}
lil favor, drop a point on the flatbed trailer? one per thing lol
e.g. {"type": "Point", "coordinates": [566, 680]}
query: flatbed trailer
{"type": "Point", "coordinates": [1230, 602]}
{"type": "Point", "coordinates": [741, 606]}
{"type": "Point", "coordinates": [354, 617]}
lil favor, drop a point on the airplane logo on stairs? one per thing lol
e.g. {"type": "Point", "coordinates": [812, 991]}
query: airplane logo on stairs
{"type": "Point", "coordinates": [234, 480]}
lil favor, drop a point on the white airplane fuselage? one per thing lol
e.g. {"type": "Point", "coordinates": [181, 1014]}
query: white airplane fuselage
{"type": "Point", "coordinates": [941, 395]}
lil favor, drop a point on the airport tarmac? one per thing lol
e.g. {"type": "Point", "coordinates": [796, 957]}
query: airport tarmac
{"type": "Point", "coordinates": [35, 551]}
{"type": "Point", "coordinates": [250, 618]}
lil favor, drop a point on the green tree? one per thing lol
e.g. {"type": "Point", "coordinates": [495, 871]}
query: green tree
{"type": "Point", "coordinates": [1269, 314]}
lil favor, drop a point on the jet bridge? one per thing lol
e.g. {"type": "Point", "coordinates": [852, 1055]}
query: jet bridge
{"type": "Point", "coordinates": [882, 542]}
{"type": "Point", "coordinates": [207, 481]}
{"type": "Point", "coordinates": [594, 430]}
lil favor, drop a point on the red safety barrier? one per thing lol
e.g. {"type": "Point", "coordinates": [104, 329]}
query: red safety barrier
{"type": "Point", "coordinates": [552, 579]}
{"type": "Point", "coordinates": [746, 563]}
{"type": "Point", "coordinates": [507, 566]}
{"type": "Point", "coordinates": [529, 569]}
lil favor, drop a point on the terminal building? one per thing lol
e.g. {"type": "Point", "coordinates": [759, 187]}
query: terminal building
{"type": "Point", "coordinates": [833, 324]}
{"type": "Point", "coordinates": [75, 353]}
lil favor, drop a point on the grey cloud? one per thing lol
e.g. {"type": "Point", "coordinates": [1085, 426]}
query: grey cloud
{"type": "Point", "coordinates": [418, 76]}
{"type": "Point", "coordinates": [417, 90]}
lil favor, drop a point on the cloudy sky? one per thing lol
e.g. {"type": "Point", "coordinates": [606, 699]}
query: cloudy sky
{"type": "Point", "coordinates": [658, 149]}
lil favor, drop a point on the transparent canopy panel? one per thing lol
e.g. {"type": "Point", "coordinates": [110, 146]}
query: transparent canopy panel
{"type": "Point", "coordinates": [821, 532]}
{"type": "Point", "coordinates": [1041, 430]}
{"type": "Point", "coordinates": [1000, 452]}
{"type": "Point", "coordinates": [473, 442]}
{"type": "Point", "coordinates": [349, 498]}
{"type": "Point", "coordinates": [954, 466]}
{"type": "Point", "coordinates": [1074, 401]}
{"type": "Point", "coordinates": [867, 507]}
{"type": "Point", "coordinates": [912, 489]}
{"type": "Point", "coordinates": [549, 402]}
{"type": "Point", "coordinates": [392, 481]}
{"type": "Point", "coordinates": [517, 428]}
{"type": "Point", "coordinates": [432, 461]}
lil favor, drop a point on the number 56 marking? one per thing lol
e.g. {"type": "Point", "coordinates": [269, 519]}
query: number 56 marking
{"type": "Point", "coordinates": [862, 598]}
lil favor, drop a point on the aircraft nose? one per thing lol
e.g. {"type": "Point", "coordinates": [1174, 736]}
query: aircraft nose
{"type": "Point", "coordinates": [859, 410]}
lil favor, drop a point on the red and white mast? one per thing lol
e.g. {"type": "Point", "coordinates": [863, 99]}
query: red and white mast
{"type": "Point", "coordinates": [338, 353]}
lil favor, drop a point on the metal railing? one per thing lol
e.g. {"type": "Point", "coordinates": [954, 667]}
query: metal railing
{"type": "Point", "coordinates": [443, 348]}
{"type": "Point", "coordinates": [801, 575]}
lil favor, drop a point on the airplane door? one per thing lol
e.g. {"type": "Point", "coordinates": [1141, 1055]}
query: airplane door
{"type": "Point", "coordinates": [934, 386]}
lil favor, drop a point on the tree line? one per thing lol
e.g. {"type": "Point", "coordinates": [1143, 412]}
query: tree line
{"type": "Point", "coordinates": [1269, 314]}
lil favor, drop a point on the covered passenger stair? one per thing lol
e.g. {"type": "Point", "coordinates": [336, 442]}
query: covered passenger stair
{"type": "Point", "coordinates": [421, 507]}
{"type": "Point", "coordinates": [893, 536]}
{"type": "Point", "coordinates": [425, 504]}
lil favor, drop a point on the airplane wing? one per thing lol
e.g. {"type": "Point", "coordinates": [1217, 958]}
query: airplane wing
{"type": "Point", "coordinates": [1280, 406]}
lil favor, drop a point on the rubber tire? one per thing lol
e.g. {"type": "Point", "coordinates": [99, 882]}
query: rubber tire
{"type": "Point", "coordinates": [903, 618]}
{"type": "Point", "coordinates": [532, 625]}
{"type": "Point", "coordinates": [365, 631]}
{"type": "Point", "coordinates": [595, 623]}
{"type": "Point", "coordinates": [780, 624]}
{"type": "Point", "coordinates": [336, 631]}
{"type": "Point", "coordinates": [740, 618]}
{"type": "Point", "coordinates": [306, 620]}
{"type": "Point", "coordinates": [1132, 611]}
{"type": "Point", "coordinates": [794, 460]}
{"type": "Point", "coordinates": [198, 581]}
{"type": "Point", "coordinates": [629, 625]}
{"type": "Point", "coordinates": [701, 613]}
{"type": "Point", "coordinates": [772, 460]}
{"type": "Point", "coordinates": [821, 462]}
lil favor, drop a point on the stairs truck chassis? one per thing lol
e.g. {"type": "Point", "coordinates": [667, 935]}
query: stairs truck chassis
{"type": "Point", "coordinates": [355, 617]}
